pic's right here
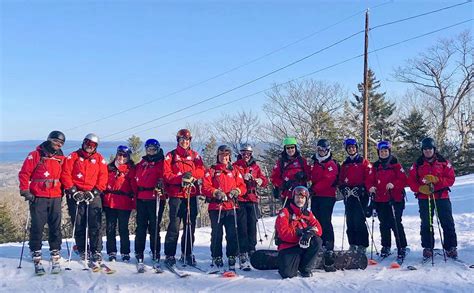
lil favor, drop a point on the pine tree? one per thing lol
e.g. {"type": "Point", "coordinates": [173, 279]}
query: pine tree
{"type": "Point", "coordinates": [209, 152]}
{"type": "Point", "coordinates": [135, 145]}
{"type": "Point", "coordinates": [412, 130]}
{"type": "Point", "coordinates": [381, 124]}
{"type": "Point", "coordinates": [8, 232]}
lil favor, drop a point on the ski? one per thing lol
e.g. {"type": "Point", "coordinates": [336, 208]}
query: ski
{"type": "Point", "coordinates": [172, 268]}
{"type": "Point", "coordinates": [106, 269]}
{"type": "Point", "coordinates": [157, 268]}
{"type": "Point", "coordinates": [462, 263]}
{"type": "Point", "coordinates": [93, 266]}
{"type": "Point", "coordinates": [245, 267]}
{"type": "Point", "coordinates": [195, 267]}
{"type": "Point", "coordinates": [39, 269]}
{"type": "Point", "coordinates": [214, 270]}
{"type": "Point", "coordinates": [399, 260]}
{"type": "Point", "coordinates": [229, 274]}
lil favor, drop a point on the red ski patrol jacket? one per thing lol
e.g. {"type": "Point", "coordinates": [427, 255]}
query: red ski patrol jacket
{"type": "Point", "coordinates": [254, 170]}
{"type": "Point", "coordinates": [289, 221]}
{"type": "Point", "coordinates": [284, 174]}
{"type": "Point", "coordinates": [119, 194]}
{"type": "Point", "coordinates": [85, 171]}
{"type": "Point", "coordinates": [324, 177]}
{"type": "Point", "coordinates": [440, 168]}
{"type": "Point", "coordinates": [148, 175]}
{"type": "Point", "coordinates": [177, 162]}
{"type": "Point", "coordinates": [222, 177]}
{"type": "Point", "coordinates": [382, 174]}
{"type": "Point", "coordinates": [41, 172]}
{"type": "Point", "coordinates": [355, 172]}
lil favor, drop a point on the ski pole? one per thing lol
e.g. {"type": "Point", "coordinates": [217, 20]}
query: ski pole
{"type": "Point", "coordinates": [395, 223]}
{"type": "Point", "coordinates": [367, 224]}
{"type": "Point", "coordinates": [236, 230]}
{"type": "Point", "coordinates": [258, 226]}
{"type": "Point", "coordinates": [68, 268]}
{"type": "Point", "coordinates": [343, 228]}
{"type": "Point", "coordinates": [187, 229]}
{"type": "Point", "coordinates": [219, 215]}
{"type": "Point", "coordinates": [86, 268]}
{"type": "Point", "coordinates": [24, 239]}
{"type": "Point", "coordinates": [439, 228]}
{"type": "Point", "coordinates": [372, 198]}
{"type": "Point", "coordinates": [274, 230]}
{"type": "Point", "coordinates": [431, 230]}
{"type": "Point", "coordinates": [155, 240]}
{"type": "Point", "coordinates": [264, 229]}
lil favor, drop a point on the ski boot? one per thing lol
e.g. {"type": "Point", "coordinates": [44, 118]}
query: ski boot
{"type": "Point", "coordinates": [401, 252]}
{"type": "Point", "coordinates": [244, 262]}
{"type": "Point", "coordinates": [328, 259]}
{"type": "Point", "coordinates": [361, 249]}
{"type": "Point", "coordinates": [36, 256]}
{"type": "Point", "coordinates": [55, 266]}
{"type": "Point", "coordinates": [352, 248]}
{"type": "Point", "coordinates": [385, 251]}
{"type": "Point", "coordinates": [427, 253]}
{"type": "Point", "coordinates": [97, 257]}
{"type": "Point", "coordinates": [112, 256]}
{"type": "Point", "coordinates": [125, 257]}
{"type": "Point", "coordinates": [231, 262]}
{"type": "Point", "coordinates": [305, 274]}
{"type": "Point", "coordinates": [170, 261]}
{"type": "Point", "coordinates": [140, 264]}
{"type": "Point", "coordinates": [452, 252]}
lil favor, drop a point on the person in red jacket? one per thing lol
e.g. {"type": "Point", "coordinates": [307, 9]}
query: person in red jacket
{"type": "Point", "coordinates": [182, 168]}
{"type": "Point", "coordinates": [324, 181]}
{"type": "Point", "coordinates": [297, 236]}
{"type": "Point", "coordinates": [118, 202]}
{"type": "Point", "coordinates": [290, 170]}
{"type": "Point", "coordinates": [430, 178]}
{"type": "Point", "coordinates": [387, 190]}
{"type": "Point", "coordinates": [353, 181]}
{"type": "Point", "coordinates": [248, 211]}
{"type": "Point", "coordinates": [150, 199]}
{"type": "Point", "coordinates": [223, 185]}
{"type": "Point", "coordinates": [84, 177]}
{"type": "Point", "coordinates": [39, 184]}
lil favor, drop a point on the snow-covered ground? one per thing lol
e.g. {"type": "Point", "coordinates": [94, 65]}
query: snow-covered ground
{"type": "Point", "coordinates": [442, 277]}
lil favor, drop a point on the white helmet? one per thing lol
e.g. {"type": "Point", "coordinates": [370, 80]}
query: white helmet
{"type": "Point", "coordinates": [92, 137]}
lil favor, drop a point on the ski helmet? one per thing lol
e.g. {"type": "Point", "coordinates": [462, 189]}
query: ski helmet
{"type": "Point", "coordinates": [290, 141]}
{"type": "Point", "coordinates": [324, 144]}
{"type": "Point", "coordinates": [350, 141]}
{"type": "Point", "coordinates": [301, 190]}
{"type": "Point", "coordinates": [56, 134]}
{"type": "Point", "coordinates": [152, 143]}
{"type": "Point", "coordinates": [224, 149]}
{"type": "Point", "coordinates": [92, 137]}
{"type": "Point", "coordinates": [384, 144]}
{"type": "Point", "coordinates": [124, 150]}
{"type": "Point", "coordinates": [428, 143]}
{"type": "Point", "coordinates": [246, 147]}
{"type": "Point", "coordinates": [184, 133]}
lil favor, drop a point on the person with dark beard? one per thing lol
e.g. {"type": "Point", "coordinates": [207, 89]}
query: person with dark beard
{"type": "Point", "coordinates": [39, 184]}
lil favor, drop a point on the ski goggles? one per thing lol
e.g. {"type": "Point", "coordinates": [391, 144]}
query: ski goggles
{"type": "Point", "coordinates": [322, 149]}
{"type": "Point", "coordinates": [290, 147]}
{"type": "Point", "coordinates": [57, 141]}
{"type": "Point", "coordinates": [90, 143]}
{"type": "Point", "coordinates": [300, 191]}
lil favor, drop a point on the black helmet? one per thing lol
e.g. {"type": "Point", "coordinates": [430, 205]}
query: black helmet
{"type": "Point", "coordinates": [324, 143]}
{"type": "Point", "coordinates": [56, 134]}
{"type": "Point", "coordinates": [224, 149]}
{"type": "Point", "coordinates": [428, 143]}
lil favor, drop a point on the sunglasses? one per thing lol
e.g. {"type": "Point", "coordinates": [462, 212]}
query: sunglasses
{"type": "Point", "coordinates": [290, 147]}
{"type": "Point", "coordinates": [151, 149]}
{"type": "Point", "coordinates": [322, 149]}
{"type": "Point", "coordinates": [184, 139]}
{"type": "Point", "coordinates": [125, 155]}
{"type": "Point", "coordinates": [57, 141]}
{"type": "Point", "coordinates": [91, 144]}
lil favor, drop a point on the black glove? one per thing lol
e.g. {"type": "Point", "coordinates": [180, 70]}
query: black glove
{"type": "Point", "coordinates": [301, 176]}
{"type": "Point", "coordinates": [70, 191]}
{"type": "Point", "coordinates": [78, 196]}
{"type": "Point", "coordinates": [301, 231]}
{"type": "Point", "coordinates": [88, 196]}
{"type": "Point", "coordinates": [28, 195]}
{"type": "Point", "coordinates": [305, 240]}
{"type": "Point", "coordinates": [288, 185]}
{"type": "Point", "coordinates": [276, 192]}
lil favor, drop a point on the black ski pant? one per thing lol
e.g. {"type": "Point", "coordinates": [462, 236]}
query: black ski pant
{"type": "Point", "coordinates": [247, 224]}
{"type": "Point", "coordinates": [45, 210]}
{"type": "Point", "coordinates": [94, 216]}
{"type": "Point", "coordinates": [387, 223]}
{"type": "Point", "coordinates": [445, 214]}
{"type": "Point", "coordinates": [226, 220]}
{"type": "Point", "coordinates": [357, 233]}
{"type": "Point", "coordinates": [112, 216]}
{"type": "Point", "coordinates": [322, 208]}
{"type": "Point", "coordinates": [294, 259]}
{"type": "Point", "coordinates": [146, 222]}
{"type": "Point", "coordinates": [177, 214]}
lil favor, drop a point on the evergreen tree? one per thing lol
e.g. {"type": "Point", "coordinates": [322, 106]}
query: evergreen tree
{"type": "Point", "coordinates": [8, 232]}
{"type": "Point", "coordinates": [381, 124]}
{"type": "Point", "coordinates": [135, 145]}
{"type": "Point", "coordinates": [209, 152]}
{"type": "Point", "coordinates": [412, 130]}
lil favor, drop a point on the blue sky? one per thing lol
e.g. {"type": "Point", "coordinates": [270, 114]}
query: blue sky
{"type": "Point", "coordinates": [67, 63]}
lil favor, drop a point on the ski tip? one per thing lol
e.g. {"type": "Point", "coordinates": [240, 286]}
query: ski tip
{"type": "Point", "coordinates": [411, 268]}
{"type": "Point", "coordinates": [394, 265]}
{"type": "Point", "coordinates": [229, 274]}
{"type": "Point", "coordinates": [372, 262]}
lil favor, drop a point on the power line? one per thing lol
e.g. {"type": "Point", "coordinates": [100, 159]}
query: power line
{"type": "Point", "coordinates": [306, 75]}
{"type": "Point", "coordinates": [227, 71]}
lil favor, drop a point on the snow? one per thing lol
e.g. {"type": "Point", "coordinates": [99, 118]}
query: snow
{"type": "Point", "coordinates": [442, 277]}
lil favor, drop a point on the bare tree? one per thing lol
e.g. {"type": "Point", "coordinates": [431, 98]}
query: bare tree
{"type": "Point", "coordinates": [201, 134]}
{"type": "Point", "coordinates": [444, 73]}
{"type": "Point", "coordinates": [464, 118]}
{"type": "Point", "coordinates": [235, 129]}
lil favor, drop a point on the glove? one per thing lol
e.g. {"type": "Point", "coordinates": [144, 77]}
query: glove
{"type": "Point", "coordinates": [219, 195]}
{"type": "Point", "coordinates": [288, 185]}
{"type": "Point", "coordinates": [71, 191]}
{"type": "Point", "coordinates": [248, 176]}
{"type": "Point", "coordinates": [301, 176]}
{"type": "Point", "coordinates": [78, 196]}
{"type": "Point", "coordinates": [430, 179]}
{"type": "Point", "coordinates": [28, 195]}
{"type": "Point", "coordinates": [276, 192]}
{"type": "Point", "coordinates": [187, 179]}
{"type": "Point", "coordinates": [88, 196]}
{"type": "Point", "coordinates": [259, 181]}
{"type": "Point", "coordinates": [425, 189]}
{"type": "Point", "coordinates": [305, 240]}
{"type": "Point", "coordinates": [389, 186]}
{"type": "Point", "coordinates": [234, 193]}
{"type": "Point", "coordinates": [373, 189]}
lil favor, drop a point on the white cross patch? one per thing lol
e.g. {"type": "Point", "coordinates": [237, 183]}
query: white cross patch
{"type": "Point", "coordinates": [168, 157]}
{"type": "Point", "coordinates": [295, 164]}
{"type": "Point", "coordinates": [46, 174]}
{"type": "Point", "coordinates": [188, 158]}
{"type": "Point", "coordinates": [198, 157]}
{"type": "Point", "coordinates": [274, 167]}
{"type": "Point", "coordinates": [240, 175]}
{"type": "Point", "coordinates": [286, 179]}
{"type": "Point", "coordinates": [69, 157]}
{"type": "Point", "coordinates": [103, 162]}
{"type": "Point", "coordinates": [30, 157]}
{"type": "Point", "coordinates": [179, 173]}
{"type": "Point", "coordinates": [79, 175]}
{"type": "Point", "coordinates": [411, 168]}
{"type": "Point", "coordinates": [229, 174]}
{"type": "Point", "coordinates": [330, 169]}
{"type": "Point", "coordinates": [401, 170]}
{"type": "Point", "coordinates": [207, 174]}
{"type": "Point", "coordinates": [449, 165]}
{"type": "Point", "coordinates": [346, 180]}
{"type": "Point", "coordinates": [282, 214]}
{"type": "Point", "coordinates": [378, 181]}
{"type": "Point", "coordinates": [93, 161]}
{"type": "Point", "coordinates": [81, 159]}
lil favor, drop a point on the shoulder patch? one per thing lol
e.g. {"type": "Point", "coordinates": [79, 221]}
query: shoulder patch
{"type": "Point", "coordinates": [282, 214]}
{"type": "Point", "coordinates": [30, 157]}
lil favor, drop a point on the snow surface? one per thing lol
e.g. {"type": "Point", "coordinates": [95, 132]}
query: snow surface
{"type": "Point", "coordinates": [442, 277]}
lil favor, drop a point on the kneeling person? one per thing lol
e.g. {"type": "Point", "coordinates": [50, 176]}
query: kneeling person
{"type": "Point", "coordinates": [298, 236]}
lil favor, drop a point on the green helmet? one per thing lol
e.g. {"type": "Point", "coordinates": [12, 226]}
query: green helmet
{"type": "Point", "coordinates": [289, 141]}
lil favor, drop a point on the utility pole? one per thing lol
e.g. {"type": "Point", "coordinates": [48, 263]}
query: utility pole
{"type": "Point", "coordinates": [366, 90]}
